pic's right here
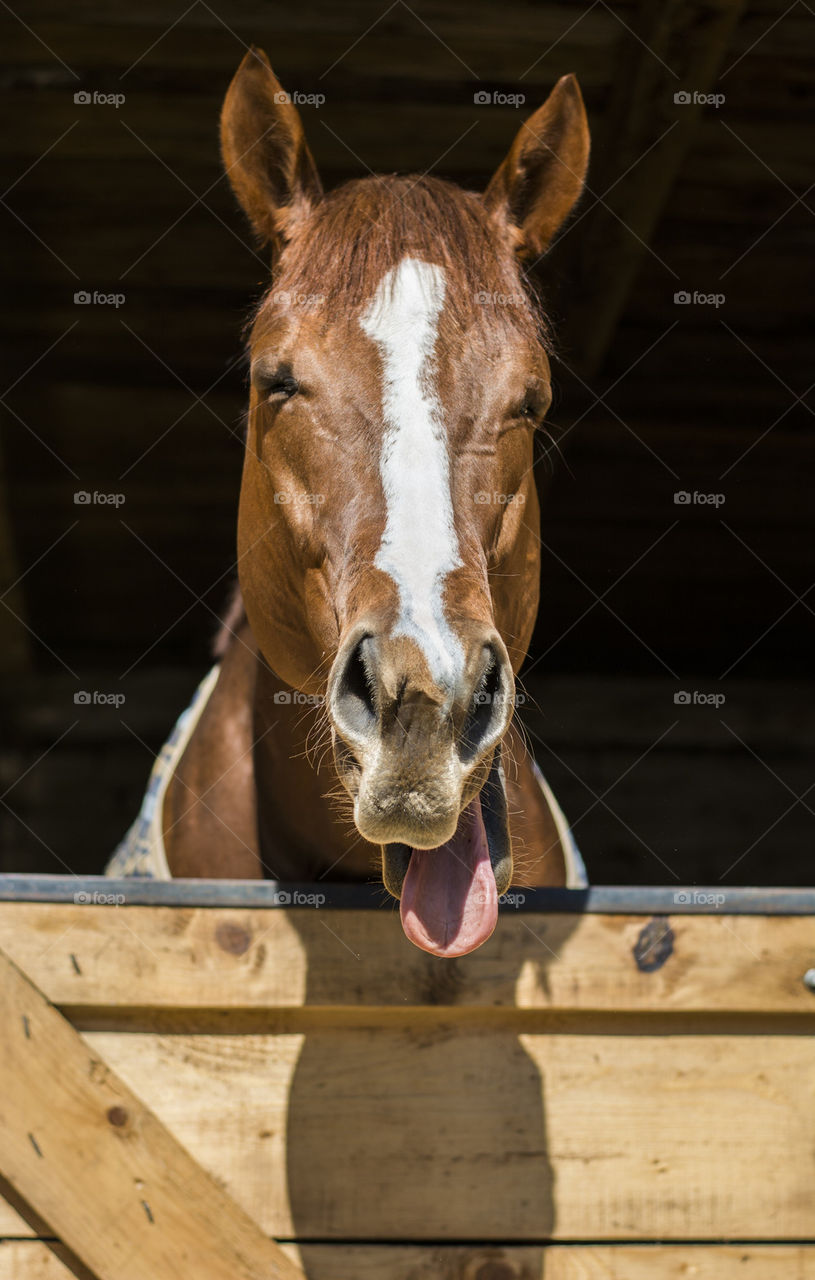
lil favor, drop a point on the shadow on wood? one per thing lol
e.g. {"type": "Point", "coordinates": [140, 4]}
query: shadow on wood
{"type": "Point", "coordinates": [418, 1129]}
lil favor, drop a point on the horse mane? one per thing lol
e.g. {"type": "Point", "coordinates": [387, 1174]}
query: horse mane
{"type": "Point", "coordinates": [232, 620]}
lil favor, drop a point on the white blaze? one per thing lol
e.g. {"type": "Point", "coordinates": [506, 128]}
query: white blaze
{"type": "Point", "coordinates": [419, 545]}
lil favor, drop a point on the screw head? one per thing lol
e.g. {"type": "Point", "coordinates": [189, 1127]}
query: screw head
{"type": "Point", "coordinates": [809, 980]}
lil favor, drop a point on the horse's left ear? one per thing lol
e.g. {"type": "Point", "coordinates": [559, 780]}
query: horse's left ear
{"type": "Point", "coordinates": [539, 182]}
{"type": "Point", "coordinates": [265, 154]}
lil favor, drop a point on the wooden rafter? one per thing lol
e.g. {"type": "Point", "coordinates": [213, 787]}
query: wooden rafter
{"type": "Point", "coordinates": [645, 135]}
{"type": "Point", "coordinates": [14, 649]}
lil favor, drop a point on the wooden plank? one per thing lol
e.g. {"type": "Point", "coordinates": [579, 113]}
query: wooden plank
{"type": "Point", "coordinates": [311, 40]}
{"type": "Point", "coordinates": [587, 713]}
{"type": "Point", "coordinates": [250, 959]}
{"type": "Point", "coordinates": [443, 1133]}
{"type": "Point", "coordinates": [710, 573]}
{"type": "Point", "coordinates": [36, 1260]}
{"type": "Point", "coordinates": [98, 1166]}
{"type": "Point", "coordinates": [14, 647]}
{"type": "Point", "coordinates": [673, 46]}
{"type": "Point", "coordinates": [33, 1260]}
{"type": "Point", "coordinates": [699, 815]}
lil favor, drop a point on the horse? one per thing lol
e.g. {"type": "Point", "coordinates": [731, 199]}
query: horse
{"type": "Point", "coordinates": [360, 721]}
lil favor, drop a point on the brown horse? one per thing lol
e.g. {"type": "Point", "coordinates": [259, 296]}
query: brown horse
{"type": "Point", "coordinates": [388, 532]}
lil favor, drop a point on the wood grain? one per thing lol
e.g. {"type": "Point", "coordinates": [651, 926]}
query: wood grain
{"type": "Point", "coordinates": [437, 1132]}
{"type": "Point", "coordinates": [188, 959]}
{"type": "Point", "coordinates": [98, 1166]}
{"type": "Point", "coordinates": [33, 1260]}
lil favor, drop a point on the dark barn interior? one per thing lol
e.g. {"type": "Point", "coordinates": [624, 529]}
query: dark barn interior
{"type": "Point", "coordinates": [669, 686]}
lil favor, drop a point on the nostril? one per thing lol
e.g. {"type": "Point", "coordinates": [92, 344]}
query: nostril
{"type": "Point", "coordinates": [353, 703]}
{"type": "Point", "coordinates": [486, 709]}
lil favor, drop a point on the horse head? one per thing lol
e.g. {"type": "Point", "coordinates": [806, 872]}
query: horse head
{"type": "Point", "coordinates": [388, 532]}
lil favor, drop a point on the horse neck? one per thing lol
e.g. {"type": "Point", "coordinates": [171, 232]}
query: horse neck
{"type": "Point", "coordinates": [305, 825]}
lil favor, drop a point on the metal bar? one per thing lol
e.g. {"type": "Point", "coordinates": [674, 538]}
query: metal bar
{"type": "Point", "coordinates": [599, 899]}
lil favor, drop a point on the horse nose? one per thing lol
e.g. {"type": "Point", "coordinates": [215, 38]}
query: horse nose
{"type": "Point", "coordinates": [353, 700]}
{"type": "Point", "coordinates": [490, 701]}
{"type": "Point", "coordinates": [380, 689]}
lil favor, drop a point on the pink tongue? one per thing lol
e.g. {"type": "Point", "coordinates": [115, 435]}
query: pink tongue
{"type": "Point", "coordinates": [449, 903]}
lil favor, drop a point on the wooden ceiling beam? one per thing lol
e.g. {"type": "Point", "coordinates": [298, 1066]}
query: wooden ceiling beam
{"type": "Point", "coordinates": [14, 647]}
{"type": "Point", "coordinates": [638, 151]}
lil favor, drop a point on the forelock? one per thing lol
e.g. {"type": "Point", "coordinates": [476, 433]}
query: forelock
{"type": "Point", "coordinates": [336, 261]}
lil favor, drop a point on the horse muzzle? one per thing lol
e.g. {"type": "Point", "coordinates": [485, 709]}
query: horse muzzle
{"type": "Point", "coordinates": [421, 760]}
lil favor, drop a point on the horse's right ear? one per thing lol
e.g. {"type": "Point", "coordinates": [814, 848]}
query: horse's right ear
{"type": "Point", "coordinates": [264, 151]}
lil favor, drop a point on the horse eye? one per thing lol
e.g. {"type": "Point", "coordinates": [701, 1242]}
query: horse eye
{"type": "Point", "coordinates": [530, 408]}
{"type": "Point", "coordinates": [534, 404]}
{"type": "Point", "coordinates": [282, 388]}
